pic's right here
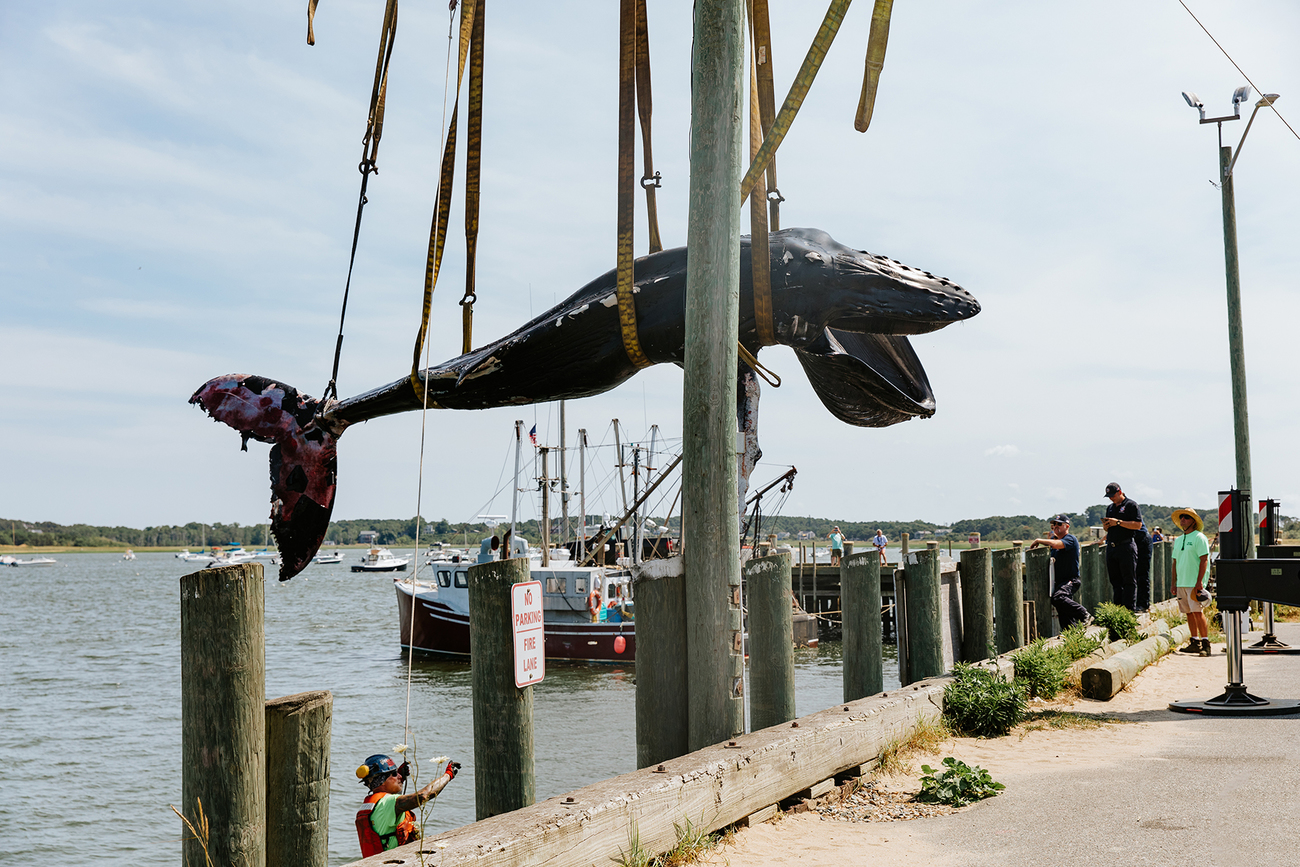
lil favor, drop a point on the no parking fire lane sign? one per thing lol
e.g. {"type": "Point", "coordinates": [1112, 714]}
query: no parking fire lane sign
{"type": "Point", "coordinates": [526, 622]}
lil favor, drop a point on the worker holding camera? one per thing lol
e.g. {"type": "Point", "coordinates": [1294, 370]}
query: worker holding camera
{"type": "Point", "coordinates": [385, 820]}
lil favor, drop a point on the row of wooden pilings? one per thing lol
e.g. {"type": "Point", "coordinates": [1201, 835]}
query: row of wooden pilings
{"type": "Point", "coordinates": [256, 773]}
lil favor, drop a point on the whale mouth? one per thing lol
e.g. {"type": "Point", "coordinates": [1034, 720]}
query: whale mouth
{"type": "Point", "coordinates": [867, 380]}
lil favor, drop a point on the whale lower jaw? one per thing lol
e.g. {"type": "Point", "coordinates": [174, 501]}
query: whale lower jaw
{"type": "Point", "coordinates": [304, 457]}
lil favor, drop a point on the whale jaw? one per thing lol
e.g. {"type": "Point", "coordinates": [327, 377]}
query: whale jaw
{"type": "Point", "coordinates": [304, 457]}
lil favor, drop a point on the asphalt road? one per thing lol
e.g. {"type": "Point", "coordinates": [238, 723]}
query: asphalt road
{"type": "Point", "coordinates": [1184, 789]}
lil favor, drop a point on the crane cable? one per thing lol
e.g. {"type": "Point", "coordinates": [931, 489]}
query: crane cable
{"type": "Point", "coordinates": [367, 166]}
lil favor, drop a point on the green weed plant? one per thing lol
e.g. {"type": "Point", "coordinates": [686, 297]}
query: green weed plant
{"type": "Point", "coordinates": [982, 703]}
{"type": "Point", "coordinates": [1041, 670]}
{"type": "Point", "coordinates": [1119, 621]}
{"type": "Point", "coordinates": [1078, 643]}
{"type": "Point", "coordinates": [958, 786]}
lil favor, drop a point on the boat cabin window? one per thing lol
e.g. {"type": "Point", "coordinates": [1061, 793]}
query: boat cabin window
{"type": "Point", "coordinates": [555, 584]}
{"type": "Point", "coordinates": [444, 578]}
{"type": "Point", "coordinates": [580, 586]}
{"type": "Point", "coordinates": [462, 578]}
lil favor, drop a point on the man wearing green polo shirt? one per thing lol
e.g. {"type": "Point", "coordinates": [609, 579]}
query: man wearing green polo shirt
{"type": "Point", "coordinates": [1191, 559]}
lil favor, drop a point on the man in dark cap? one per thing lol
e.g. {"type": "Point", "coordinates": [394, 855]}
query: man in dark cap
{"type": "Point", "coordinates": [1065, 571]}
{"type": "Point", "coordinates": [1123, 522]}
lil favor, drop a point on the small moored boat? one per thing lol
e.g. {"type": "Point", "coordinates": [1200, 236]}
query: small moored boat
{"type": "Point", "coordinates": [380, 560]}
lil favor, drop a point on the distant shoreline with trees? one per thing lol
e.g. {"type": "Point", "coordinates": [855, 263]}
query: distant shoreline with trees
{"type": "Point", "coordinates": [397, 532]}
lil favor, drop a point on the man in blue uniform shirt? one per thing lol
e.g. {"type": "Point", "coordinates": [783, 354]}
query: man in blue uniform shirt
{"type": "Point", "coordinates": [1123, 522]}
{"type": "Point", "coordinates": [1065, 572]}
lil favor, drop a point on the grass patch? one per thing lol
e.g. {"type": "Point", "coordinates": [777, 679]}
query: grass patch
{"type": "Point", "coordinates": [925, 738]}
{"type": "Point", "coordinates": [1174, 619]}
{"type": "Point", "coordinates": [1058, 720]}
{"type": "Point", "coordinates": [1041, 670]}
{"type": "Point", "coordinates": [982, 703]}
{"type": "Point", "coordinates": [1286, 613]}
{"type": "Point", "coordinates": [1119, 621]}
{"type": "Point", "coordinates": [1078, 643]}
{"type": "Point", "coordinates": [692, 845]}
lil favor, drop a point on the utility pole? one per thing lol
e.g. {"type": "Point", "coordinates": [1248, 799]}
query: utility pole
{"type": "Point", "coordinates": [709, 500]}
{"type": "Point", "coordinates": [1236, 336]}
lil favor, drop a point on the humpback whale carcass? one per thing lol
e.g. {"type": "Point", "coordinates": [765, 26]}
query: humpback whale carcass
{"type": "Point", "coordinates": [845, 312]}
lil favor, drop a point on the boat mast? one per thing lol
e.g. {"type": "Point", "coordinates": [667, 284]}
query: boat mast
{"type": "Point", "coordinates": [564, 484]}
{"type": "Point", "coordinates": [582, 487]}
{"type": "Point", "coordinates": [618, 450]}
{"type": "Point", "coordinates": [636, 497]}
{"type": "Point", "coordinates": [514, 493]}
{"type": "Point", "coordinates": [546, 509]}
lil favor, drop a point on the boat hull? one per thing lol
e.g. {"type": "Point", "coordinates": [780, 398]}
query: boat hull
{"type": "Point", "coordinates": [400, 567]}
{"type": "Point", "coordinates": [435, 627]}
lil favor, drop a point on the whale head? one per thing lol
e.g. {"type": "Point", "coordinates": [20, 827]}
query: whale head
{"type": "Point", "coordinates": [847, 314]}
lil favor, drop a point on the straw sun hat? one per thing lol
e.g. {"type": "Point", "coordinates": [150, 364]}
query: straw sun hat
{"type": "Point", "coordinates": [1191, 513]}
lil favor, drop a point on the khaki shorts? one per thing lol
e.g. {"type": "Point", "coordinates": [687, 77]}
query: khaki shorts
{"type": "Point", "coordinates": [1187, 601]}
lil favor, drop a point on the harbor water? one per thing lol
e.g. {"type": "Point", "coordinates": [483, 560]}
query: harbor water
{"type": "Point", "coordinates": [90, 737]}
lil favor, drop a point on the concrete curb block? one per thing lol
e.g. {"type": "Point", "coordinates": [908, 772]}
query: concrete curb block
{"type": "Point", "coordinates": [1103, 680]}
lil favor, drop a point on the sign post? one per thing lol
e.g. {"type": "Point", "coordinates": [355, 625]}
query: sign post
{"type": "Point", "coordinates": [526, 625]}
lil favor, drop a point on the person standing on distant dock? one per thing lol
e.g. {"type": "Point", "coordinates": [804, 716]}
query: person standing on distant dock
{"type": "Point", "coordinates": [880, 542]}
{"type": "Point", "coordinates": [1123, 522]}
{"type": "Point", "coordinates": [837, 545]}
{"type": "Point", "coordinates": [1065, 571]}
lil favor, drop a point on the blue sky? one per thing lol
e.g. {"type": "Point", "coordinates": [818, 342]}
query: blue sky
{"type": "Point", "coordinates": [179, 183]}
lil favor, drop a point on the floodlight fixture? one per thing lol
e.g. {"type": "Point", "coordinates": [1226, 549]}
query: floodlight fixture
{"type": "Point", "coordinates": [1239, 96]}
{"type": "Point", "coordinates": [1266, 100]}
{"type": "Point", "coordinates": [1195, 102]}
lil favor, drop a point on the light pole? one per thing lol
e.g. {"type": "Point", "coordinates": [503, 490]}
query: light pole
{"type": "Point", "coordinates": [1236, 340]}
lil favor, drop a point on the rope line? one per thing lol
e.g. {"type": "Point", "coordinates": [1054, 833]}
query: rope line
{"type": "Point", "coordinates": [419, 486]}
{"type": "Point", "coordinates": [367, 166]}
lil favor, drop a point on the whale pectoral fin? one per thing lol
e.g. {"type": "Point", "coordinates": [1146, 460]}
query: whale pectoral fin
{"type": "Point", "coordinates": [868, 380]}
{"type": "Point", "coordinates": [304, 457]}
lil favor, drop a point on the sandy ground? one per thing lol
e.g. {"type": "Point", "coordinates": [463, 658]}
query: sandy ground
{"type": "Point", "coordinates": [1131, 792]}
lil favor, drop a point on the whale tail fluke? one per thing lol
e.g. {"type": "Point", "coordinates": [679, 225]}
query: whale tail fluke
{"type": "Point", "coordinates": [304, 457]}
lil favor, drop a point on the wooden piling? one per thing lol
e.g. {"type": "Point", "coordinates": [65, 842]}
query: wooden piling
{"type": "Point", "coordinates": [1008, 599]}
{"type": "Point", "coordinates": [976, 603]}
{"type": "Point", "coordinates": [771, 641]}
{"type": "Point", "coordinates": [710, 510]}
{"type": "Point", "coordinates": [298, 779]}
{"type": "Point", "coordinates": [661, 681]}
{"type": "Point", "coordinates": [223, 717]}
{"type": "Point", "coordinates": [1093, 588]}
{"type": "Point", "coordinates": [860, 604]}
{"type": "Point", "coordinates": [504, 771]}
{"type": "Point", "coordinates": [1159, 572]}
{"type": "Point", "coordinates": [1038, 588]}
{"type": "Point", "coordinates": [924, 616]}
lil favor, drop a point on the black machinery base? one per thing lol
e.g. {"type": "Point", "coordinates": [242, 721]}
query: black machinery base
{"type": "Point", "coordinates": [1270, 644]}
{"type": "Point", "coordinates": [1236, 701]}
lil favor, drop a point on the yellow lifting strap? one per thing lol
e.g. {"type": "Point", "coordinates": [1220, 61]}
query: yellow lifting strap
{"type": "Point", "coordinates": [650, 178]}
{"type": "Point", "coordinates": [798, 91]}
{"type": "Point", "coordinates": [442, 208]}
{"type": "Point", "coordinates": [876, 43]}
{"type": "Point", "coordinates": [473, 164]}
{"type": "Point", "coordinates": [626, 203]}
{"type": "Point", "coordinates": [759, 251]}
{"type": "Point", "coordinates": [311, 17]}
{"type": "Point", "coordinates": [762, 36]}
